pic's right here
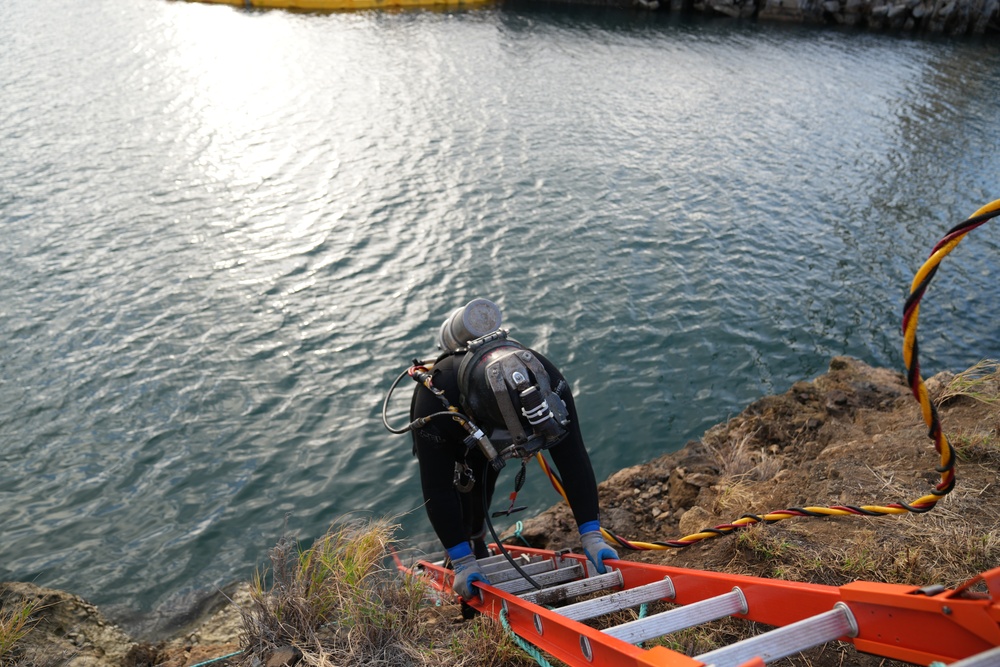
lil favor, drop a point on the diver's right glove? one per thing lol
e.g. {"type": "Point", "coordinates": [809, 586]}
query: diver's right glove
{"type": "Point", "coordinates": [597, 550]}
{"type": "Point", "coordinates": [467, 570]}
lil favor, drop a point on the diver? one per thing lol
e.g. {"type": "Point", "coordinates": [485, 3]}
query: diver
{"type": "Point", "coordinates": [511, 402]}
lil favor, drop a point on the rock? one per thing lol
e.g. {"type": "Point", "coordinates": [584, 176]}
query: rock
{"type": "Point", "coordinates": [695, 519]}
{"type": "Point", "coordinates": [725, 7]}
{"type": "Point", "coordinates": [699, 479]}
{"type": "Point", "coordinates": [990, 11]}
{"type": "Point", "coordinates": [782, 10]}
{"type": "Point", "coordinates": [954, 17]}
{"type": "Point", "coordinates": [896, 11]}
{"type": "Point", "coordinates": [937, 384]}
{"type": "Point", "coordinates": [285, 656]}
{"type": "Point", "coordinates": [70, 630]}
{"type": "Point", "coordinates": [681, 494]}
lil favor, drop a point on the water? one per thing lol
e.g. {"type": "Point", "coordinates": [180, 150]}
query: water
{"type": "Point", "coordinates": [226, 232]}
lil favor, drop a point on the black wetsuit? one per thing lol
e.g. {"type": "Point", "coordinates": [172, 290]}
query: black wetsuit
{"type": "Point", "coordinates": [457, 517]}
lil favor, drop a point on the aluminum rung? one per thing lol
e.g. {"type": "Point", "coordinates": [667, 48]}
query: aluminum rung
{"type": "Point", "coordinates": [531, 569]}
{"type": "Point", "coordinates": [787, 640]}
{"type": "Point", "coordinates": [491, 565]}
{"type": "Point", "coordinates": [496, 558]}
{"type": "Point", "coordinates": [546, 579]}
{"type": "Point", "coordinates": [679, 618]}
{"type": "Point", "coordinates": [500, 558]}
{"type": "Point", "coordinates": [483, 562]}
{"type": "Point", "coordinates": [573, 589]}
{"type": "Point", "coordinates": [989, 658]}
{"type": "Point", "coordinates": [632, 597]}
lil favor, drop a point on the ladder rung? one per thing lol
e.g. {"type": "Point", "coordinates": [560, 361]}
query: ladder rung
{"type": "Point", "coordinates": [502, 566]}
{"type": "Point", "coordinates": [531, 569]}
{"type": "Point", "coordinates": [559, 576]}
{"type": "Point", "coordinates": [989, 658]}
{"type": "Point", "coordinates": [679, 618]}
{"type": "Point", "coordinates": [632, 597]}
{"type": "Point", "coordinates": [497, 558]}
{"type": "Point", "coordinates": [573, 589]}
{"type": "Point", "coordinates": [787, 640]}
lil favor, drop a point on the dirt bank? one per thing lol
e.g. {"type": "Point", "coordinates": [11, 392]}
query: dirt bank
{"type": "Point", "coordinates": [853, 436]}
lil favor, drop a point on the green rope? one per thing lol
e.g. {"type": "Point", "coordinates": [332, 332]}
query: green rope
{"type": "Point", "coordinates": [643, 610]}
{"type": "Point", "coordinates": [225, 657]}
{"type": "Point", "coordinates": [518, 527]}
{"type": "Point", "coordinates": [525, 646]}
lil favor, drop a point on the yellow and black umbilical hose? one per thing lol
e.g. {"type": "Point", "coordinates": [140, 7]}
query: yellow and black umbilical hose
{"type": "Point", "coordinates": [911, 312]}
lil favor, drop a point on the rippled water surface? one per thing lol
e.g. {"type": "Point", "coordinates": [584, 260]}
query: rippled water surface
{"type": "Point", "coordinates": [224, 233]}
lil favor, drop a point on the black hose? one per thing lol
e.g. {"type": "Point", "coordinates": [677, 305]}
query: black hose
{"type": "Point", "coordinates": [496, 538]}
{"type": "Point", "coordinates": [392, 388]}
{"type": "Point", "coordinates": [385, 406]}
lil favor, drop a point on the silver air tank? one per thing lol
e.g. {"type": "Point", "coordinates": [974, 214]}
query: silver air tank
{"type": "Point", "coordinates": [476, 319]}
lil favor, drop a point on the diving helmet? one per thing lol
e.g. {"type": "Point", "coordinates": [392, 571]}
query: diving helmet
{"type": "Point", "coordinates": [474, 320]}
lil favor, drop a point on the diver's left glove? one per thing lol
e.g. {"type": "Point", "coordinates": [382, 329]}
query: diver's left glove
{"type": "Point", "coordinates": [467, 570]}
{"type": "Point", "coordinates": [597, 550]}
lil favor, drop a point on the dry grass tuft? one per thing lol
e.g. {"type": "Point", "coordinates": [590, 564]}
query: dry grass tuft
{"type": "Point", "coordinates": [739, 459]}
{"type": "Point", "coordinates": [336, 602]}
{"type": "Point", "coordinates": [981, 382]}
{"type": "Point", "coordinates": [340, 603]}
{"type": "Point", "coordinates": [980, 446]}
{"type": "Point", "coordinates": [918, 550]}
{"type": "Point", "coordinates": [16, 623]}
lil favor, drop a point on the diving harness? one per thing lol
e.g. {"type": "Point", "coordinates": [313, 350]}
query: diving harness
{"type": "Point", "coordinates": [500, 382]}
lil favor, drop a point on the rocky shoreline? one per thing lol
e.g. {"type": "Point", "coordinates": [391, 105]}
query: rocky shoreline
{"type": "Point", "coordinates": [71, 632]}
{"type": "Point", "coordinates": [851, 436]}
{"type": "Point", "coordinates": [948, 17]}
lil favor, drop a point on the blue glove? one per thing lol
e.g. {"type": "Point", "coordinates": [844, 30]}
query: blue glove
{"type": "Point", "coordinates": [597, 550]}
{"type": "Point", "coordinates": [467, 570]}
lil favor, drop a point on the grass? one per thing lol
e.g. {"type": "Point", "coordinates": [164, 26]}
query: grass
{"type": "Point", "coordinates": [738, 458]}
{"type": "Point", "coordinates": [765, 545]}
{"type": "Point", "coordinates": [341, 603]}
{"type": "Point", "coordinates": [981, 445]}
{"type": "Point", "coordinates": [980, 382]}
{"type": "Point", "coordinates": [920, 550]}
{"type": "Point", "coordinates": [16, 623]}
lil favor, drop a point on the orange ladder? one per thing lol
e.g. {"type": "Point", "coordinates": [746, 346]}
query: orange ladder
{"type": "Point", "coordinates": [958, 627]}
